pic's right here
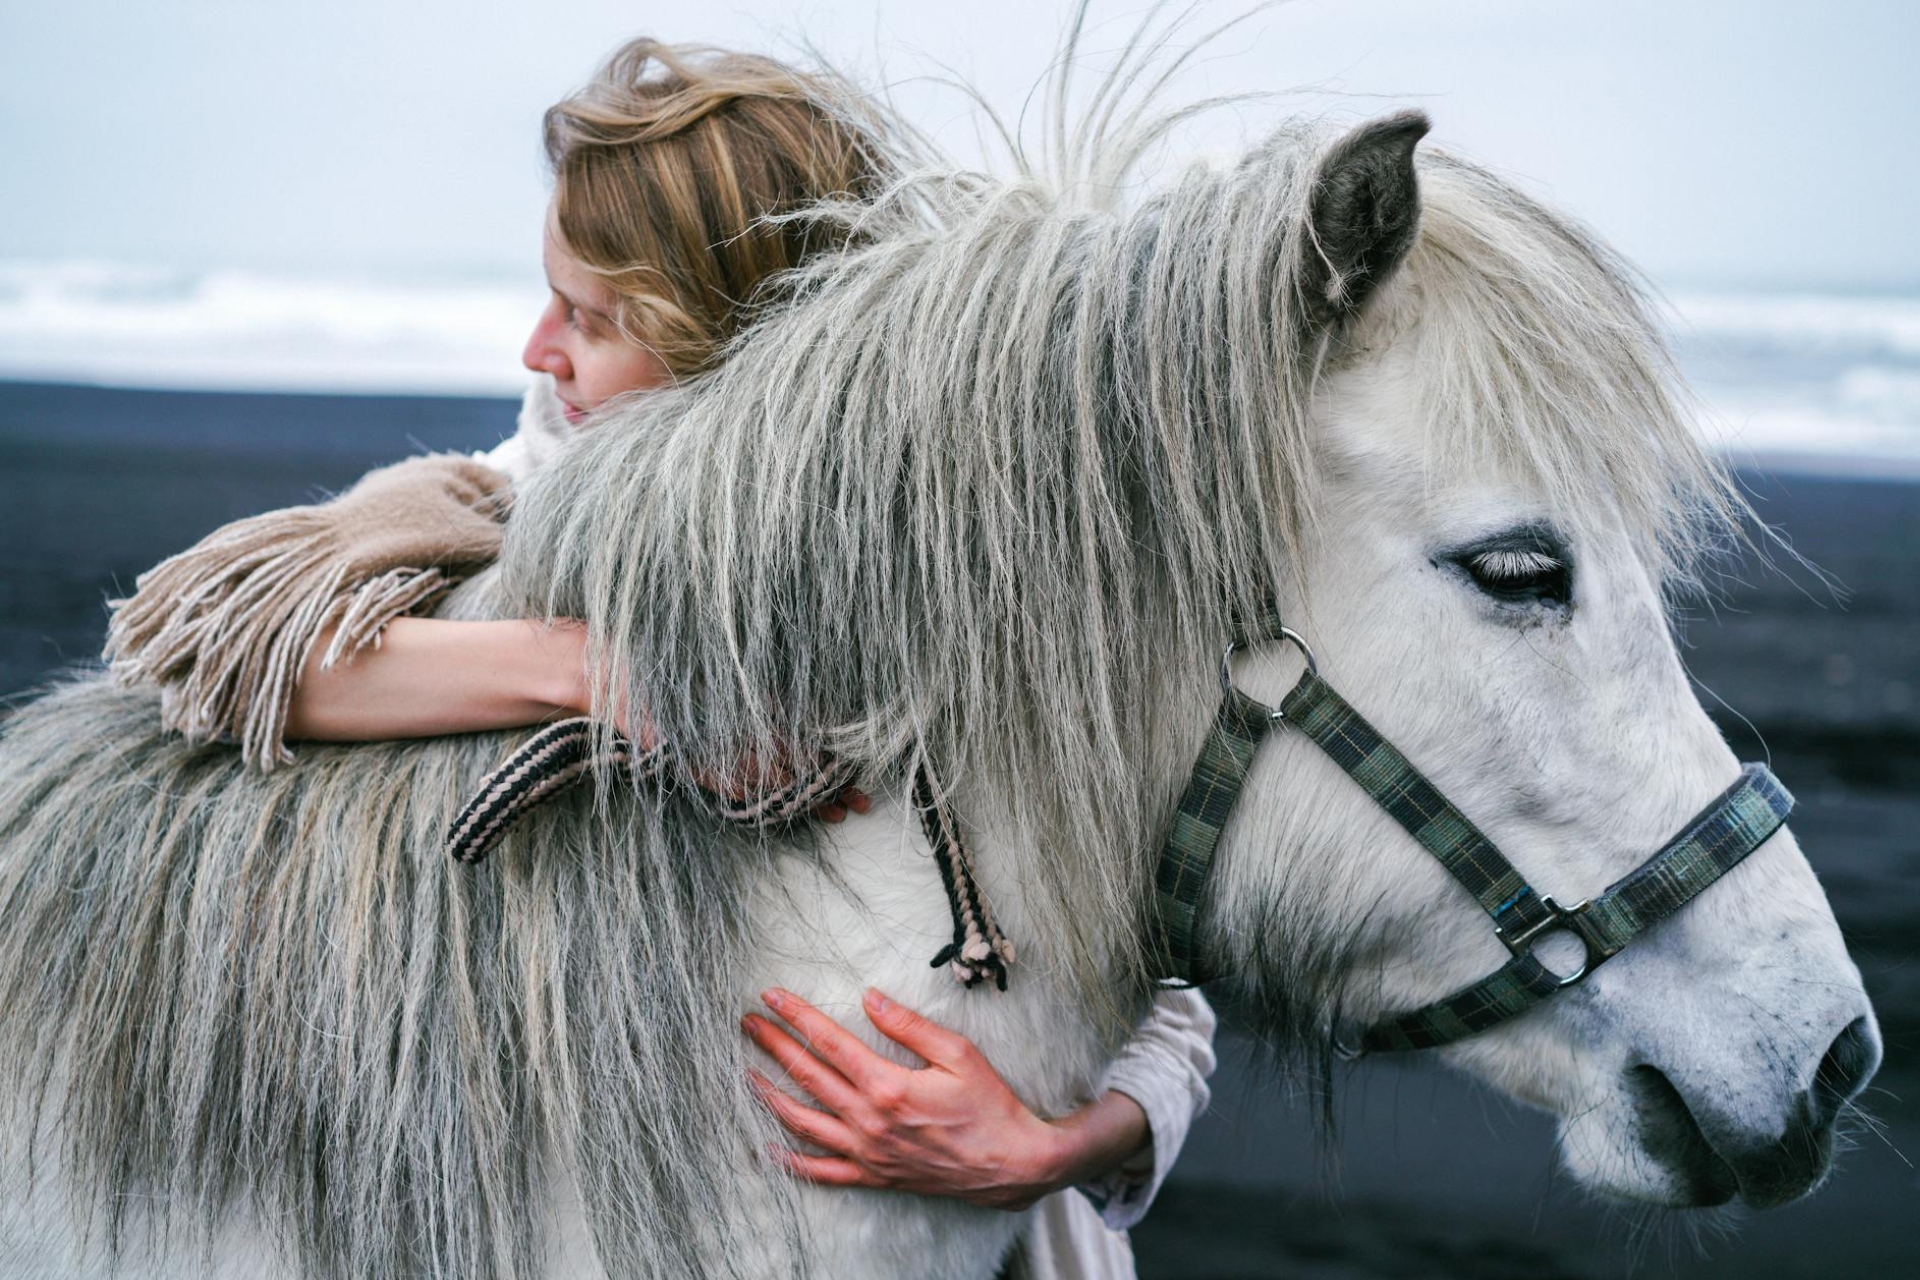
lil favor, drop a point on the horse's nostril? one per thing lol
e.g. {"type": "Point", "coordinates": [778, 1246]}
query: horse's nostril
{"type": "Point", "coordinates": [1669, 1133]}
{"type": "Point", "coordinates": [1849, 1063]}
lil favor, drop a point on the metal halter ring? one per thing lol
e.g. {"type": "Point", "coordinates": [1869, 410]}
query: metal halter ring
{"type": "Point", "coordinates": [1559, 919]}
{"type": "Point", "coordinates": [1283, 633]}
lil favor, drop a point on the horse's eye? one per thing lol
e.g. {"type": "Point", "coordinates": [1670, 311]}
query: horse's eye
{"type": "Point", "coordinates": [1520, 575]}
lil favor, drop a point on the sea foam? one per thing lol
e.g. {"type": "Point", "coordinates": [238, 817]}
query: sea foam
{"type": "Point", "coordinates": [116, 325]}
{"type": "Point", "coordinates": [1778, 373]}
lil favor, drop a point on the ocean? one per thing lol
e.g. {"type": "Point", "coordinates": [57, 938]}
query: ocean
{"type": "Point", "coordinates": [1827, 378]}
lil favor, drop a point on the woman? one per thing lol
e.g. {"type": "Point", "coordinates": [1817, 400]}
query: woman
{"type": "Point", "coordinates": [678, 173]}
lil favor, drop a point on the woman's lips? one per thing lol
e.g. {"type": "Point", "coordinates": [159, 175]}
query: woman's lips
{"type": "Point", "coordinates": [573, 413]}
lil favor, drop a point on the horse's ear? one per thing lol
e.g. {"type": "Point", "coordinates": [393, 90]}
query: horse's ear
{"type": "Point", "coordinates": [1365, 209]}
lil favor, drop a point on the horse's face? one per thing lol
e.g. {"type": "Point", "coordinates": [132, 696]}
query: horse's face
{"type": "Point", "coordinates": [1522, 660]}
{"type": "Point", "coordinates": [1525, 665]}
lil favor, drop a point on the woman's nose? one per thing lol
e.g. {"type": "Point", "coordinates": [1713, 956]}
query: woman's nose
{"type": "Point", "coordinates": [543, 353]}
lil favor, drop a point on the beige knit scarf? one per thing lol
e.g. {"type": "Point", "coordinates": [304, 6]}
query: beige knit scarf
{"type": "Point", "coordinates": [226, 627]}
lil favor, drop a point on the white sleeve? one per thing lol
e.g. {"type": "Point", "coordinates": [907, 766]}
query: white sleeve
{"type": "Point", "coordinates": [1164, 1068]}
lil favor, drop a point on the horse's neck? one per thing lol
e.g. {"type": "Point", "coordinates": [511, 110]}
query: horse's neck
{"type": "Point", "coordinates": [872, 912]}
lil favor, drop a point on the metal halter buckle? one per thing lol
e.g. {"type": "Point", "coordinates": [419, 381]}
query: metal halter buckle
{"type": "Point", "coordinates": [1283, 633]}
{"type": "Point", "coordinates": [1558, 919]}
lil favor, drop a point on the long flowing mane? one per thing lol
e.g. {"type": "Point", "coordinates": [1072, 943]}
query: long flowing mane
{"type": "Point", "coordinates": [968, 493]}
{"type": "Point", "coordinates": [962, 494]}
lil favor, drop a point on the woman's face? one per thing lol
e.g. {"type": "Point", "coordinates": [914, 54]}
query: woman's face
{"type": "Point", "coordinates": [577, 341]}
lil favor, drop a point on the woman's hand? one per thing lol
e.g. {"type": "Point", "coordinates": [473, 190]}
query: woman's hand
{"type": "Point", "coordinates": [950, 1128]}
{"type": "Point", "coordinates": [575, 692]}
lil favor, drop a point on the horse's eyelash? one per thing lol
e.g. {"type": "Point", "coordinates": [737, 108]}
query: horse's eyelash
{"type": "Point", "coordinates": [1515, 564]}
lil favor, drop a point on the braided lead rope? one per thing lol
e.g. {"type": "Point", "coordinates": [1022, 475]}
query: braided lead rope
{"type": "Point", "coordinates": [550, 763]}
{"type": "Point", "coordinates": [979, 950]}
{"type": "Point", "coordinates": [562, 756]}
{"type": "Point", "coordinates": [796, 799]}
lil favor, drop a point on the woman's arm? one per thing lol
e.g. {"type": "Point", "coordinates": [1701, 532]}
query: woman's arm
{"type": "Point", "coordinates": [429, 677]}
{"type": "Point", "coordinates": [1164, 1068]}
{"type": "Point", "coordinates": [951, 1128]}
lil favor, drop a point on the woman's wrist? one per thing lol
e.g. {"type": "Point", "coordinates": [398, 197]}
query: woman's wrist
{"type": "Point", "coordinates": [1099, 1139]}
{"type": "Point", "coordinates": [559, 678]}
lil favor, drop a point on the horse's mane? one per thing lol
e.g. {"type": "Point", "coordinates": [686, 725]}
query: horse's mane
{"type": "Point", "coordinates": [991, 474]}
{"type": "Point", "coordinates": [976, 489]}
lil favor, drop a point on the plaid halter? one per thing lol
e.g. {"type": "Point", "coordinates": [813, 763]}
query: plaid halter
{"type": "Point", "coordinates": [1722, 834]}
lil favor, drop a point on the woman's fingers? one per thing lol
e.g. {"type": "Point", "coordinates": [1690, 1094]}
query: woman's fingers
{"type": "Point", "coordinates": [954, 1129]}
{"type": "Point", "coordinates": [822, 1083]}
{"type": "Point", "coordinates": [802, 1121]}
{"type": "Point", "coordinates": [831, 1043]}
{"type": "Point", "coordinates": [755, 776]}
{"type": "Point", "coordinates": [842, 802]}
{"type": "Point", "coordinates": [939, 1046]}
{"type": "Point", "coordinates": [828, 1171]}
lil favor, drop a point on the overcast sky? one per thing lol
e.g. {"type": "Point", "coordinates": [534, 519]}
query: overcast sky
{"type": "Point", "coordinates": [1716, 142]}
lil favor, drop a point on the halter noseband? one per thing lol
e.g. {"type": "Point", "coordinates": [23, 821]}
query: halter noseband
{"type": "Point", "coordinates": [1722, 834]}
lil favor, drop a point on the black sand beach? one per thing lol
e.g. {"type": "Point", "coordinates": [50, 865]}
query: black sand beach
{"type": "Point", "coordinates": [1429, 1176]}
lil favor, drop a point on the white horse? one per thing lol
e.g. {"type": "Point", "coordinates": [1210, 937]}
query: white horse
{"type": "Point", "coordinates": [990, 490]}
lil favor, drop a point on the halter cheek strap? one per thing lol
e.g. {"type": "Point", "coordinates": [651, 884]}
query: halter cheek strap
{"type": "Point", "coordinates": [1717, 839]}
{"type": "Point", "coordinates": [1186, 859]}
{"type": "Point", "coordinates": [1713, 843]}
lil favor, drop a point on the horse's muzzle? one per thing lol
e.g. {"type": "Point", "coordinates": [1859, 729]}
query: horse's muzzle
{"type": "Point", "coordinates": [1715, 1159]}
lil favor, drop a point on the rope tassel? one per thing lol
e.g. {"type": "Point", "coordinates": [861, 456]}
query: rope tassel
{"type": "Point", "coordinates": [979, 950]}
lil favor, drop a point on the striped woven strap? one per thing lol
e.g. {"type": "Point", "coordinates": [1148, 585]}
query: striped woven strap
{"type": "Point", "coordinates": [550, 763]}
{"type": "Point", "coordinates": [1186, 859]}
{"type": "Point", "coordinates": [979, 952]}
{"type": "Point", "coordinates": [1316, 710]}
{"type": "Point", "coordinates": [565, 754]}
{"type": "Point", "coordinates": [1723, 834]}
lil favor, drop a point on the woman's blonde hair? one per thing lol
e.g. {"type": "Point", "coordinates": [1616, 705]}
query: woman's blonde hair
{"type": "Point", "coordinates": [677, 170]}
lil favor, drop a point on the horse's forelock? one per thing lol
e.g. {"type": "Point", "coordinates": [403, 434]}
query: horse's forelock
{"type": "Point", "coordinates": [1539, 359]}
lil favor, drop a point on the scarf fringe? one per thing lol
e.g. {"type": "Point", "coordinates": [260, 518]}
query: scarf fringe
{"type": "Point", "coordinates": [227, 627]}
